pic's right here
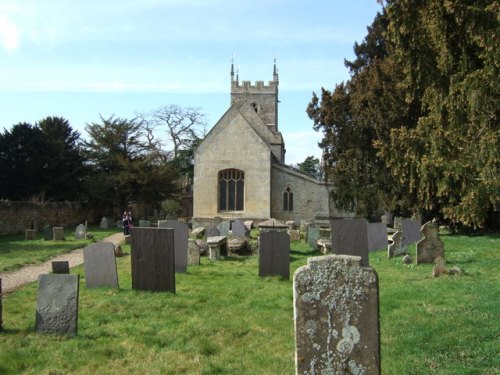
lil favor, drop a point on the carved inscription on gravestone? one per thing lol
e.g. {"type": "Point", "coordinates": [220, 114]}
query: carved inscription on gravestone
{"type": "Point", "coordinates": [431, 246]}
{"type": "Point", "coordinates": [336, 317]}
{"type": "Point", "coordinates": [57, 304]}
{"type": "Point", "coordinates": [274, 254]}
{"type": "Point", "coordinates": [181, 235]}
{"type": "Point", "coordinates": [100, 265]}
{"type": "Point", "coordinates": [350, 237]}
{"type": "Point", "coordinates": [153, 259]}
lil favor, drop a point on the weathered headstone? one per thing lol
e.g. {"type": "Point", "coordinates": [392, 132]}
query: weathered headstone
{"type": "Point", "coordinates": [60, 266]}
{"type": "Point", "coordinates": [396, 247]}
{"type": "Point", "coordinates": [411, 231]}
{"type": "Point", "coordinates": [223, 228]}
{"type": "Point", "coordinates": [274, 254]}
{"type": "Point", "coordinates": [193, 253]}
{"type": "Point", "coordinates": [104, 223]}
{"type": "Point", "coordinates": [30, 234]}
{"type": "Point", "coordinates": [144, 223]}
{"type": "Point", "coordinates": [197, 232]}
{"type": "Point", "coordinates": [312, 236]}
{"type": "Point", "coordinates": [350, 237]}
{"type": "Point", "coordinates": [377, 236]}
{"type": "Point", "coordinates": [48, 233]}
{"type": "Point", "coordinates": [57, 304]}
{"type": "Point", "coordinates": [238, 245]}
{"type": "Point", "coordinates": [336, 311]}
{"type": "Point", "coordinates": [431, 246]}
{"type": "Point", "coordinates": [325, 232]}
{"type": "Point", "coordinates": [398, 223]}
{"type": "Point", "coordinates": [212, 231]}
{"type": "Point", "coordinates": [181, 236]}
{"type": "Point", "coordinates": [58, 233]}
{"type": "Point", "coordinates": [294, 234]}
{"type": "Point", "coordinates": [272, 225]}
{"type": "Point", "coordinates": [239, 229]}
{"type": "Point", "coordinates": [99, 262]}
{"type": "Point", "coordinates": [80, 232]}
{"type": "Point", "coordinates": [153, 259]}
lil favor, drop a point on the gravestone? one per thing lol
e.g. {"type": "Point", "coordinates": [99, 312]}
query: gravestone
{"type": "Point", "coordinates": [272, 225]}
{"type": "Point", "coordinates": [239, 229]}
{"type": "Point", "coordinates": [223, 228]}
{"type": "Point", "coordinates": [104, 223]}
{"type": "Point", "coordinates": [411, 231]}
{"type": "Point", "coordinates": [431, 246]}
{"type": "Point", "coordinates": [336, 309]}
{"type": "Point", "coordinates": [274, 254]}
{"type": "Point", "coordinates": [312, 236]}
{"type": "Point", "coordinates": [396, 247]}
{"type": "Point", "coordinates": [217, 246]}
{"type": "Point", "coordinates": [377, 236]}
{"type": "Point", "coordinates": [181, 236]}
{"type": "Point", "coordinates": [58, 233]}
{"type": "Point", "coordinates": [1, 321]}
{"type": "Point", "coordinates": [212, 231]}
{"type": "Point", "coordinates": [197, 232]}
{"type": "Point", "coordinates": [291, 225]}
{"type": "Point", "coordinates": [294, 235]}
{"type": "Point", "coordinates": [60, 266]}
{"type": "Point", "coordinates": [350, 237]}
{"type": "Point", "coordinates": [99, 262]}
{"type": "Point", "coordinates": [57, 304]}
{"type": "Point", "coordinates": [144, 223]}
{"type": "Point", "coordinates": [48, 233]}
{"type": "Point", "coordinates": [193, 253]}
{"type": "Point", "coordinates": [30, 234]}
{"type": "Point", "coordinates": [80, 232]}
{"type": "Point", "coordinates": [153, 259]}
{"type": "Point", "coordinates": [398, 223]}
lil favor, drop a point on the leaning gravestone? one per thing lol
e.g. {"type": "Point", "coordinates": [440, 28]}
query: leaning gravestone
{"type": "Point", "coordinates": [336, 317]}
{"type": "Point", "coordinates": [239, 229]}
{"type": "Point", "coordinates": [60, 266]}
{"type": "Point", "coordinates": [58, 233]}
{"type": "Point", "coordinates": [181, 236]}
{"type": "Point", "coordinates": [431, 246]}
{"type": "Point", "coordinates": [223, 228]}
{"type": "Point", "coordinates": [80, 232]}
{"type": "Point", "coordinates": [411, 231]}
{"type": "Point", "coordinates": [57, 304]}
{"type": "Point", "coordinates": [274, 254]}
{"type": "Point", "coordinates": [153, 259]}
{"type": "Point", "coordinates": [396, 247]}
{"type": "Point", "coordinates": [377, 236]}
{"type": "Point", "coordinates": [99, 262]}
{"type": "Point", "coordinates": [350, 237]}
{"type": "Point", "coordinates": [312, 236]}
{"type": "Point", "coordinates": [212, 231]}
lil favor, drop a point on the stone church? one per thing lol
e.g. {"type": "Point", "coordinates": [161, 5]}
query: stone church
{"type": "Point", "coordinates": [240, 170]}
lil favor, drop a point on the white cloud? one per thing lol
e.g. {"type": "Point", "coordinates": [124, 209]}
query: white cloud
{"type": "Point", "coordinates": [301, 144]}
{"type": "Point", "coordinates": [10, 34]}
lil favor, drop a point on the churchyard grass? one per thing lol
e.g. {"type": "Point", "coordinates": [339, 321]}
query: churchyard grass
{"type": "Point", "coordinates": [224, 319]}
{"type": "Point", "coordinates": [16, 252]}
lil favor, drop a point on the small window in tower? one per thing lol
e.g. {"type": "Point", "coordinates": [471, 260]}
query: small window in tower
{"type": "Point", "coordinates": [255, 107]}
{"type": "Point", "coordinates": [288, 199]}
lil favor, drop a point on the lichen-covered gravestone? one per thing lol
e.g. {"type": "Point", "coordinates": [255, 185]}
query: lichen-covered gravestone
{"type": "Point", "coordinates": [350, 237]}
{"type": "Point", "coordinates": [312, 236]}
{"type": "Point", "coordinates": [181, 236]}
{"type": "Point", "coordinates": [223, 228]}
{"type": "Point", "coordinates": [100, 265]}
{"type": "Point", "coordinates": [336, 317]}
{"type": "Point", "coordinates": [274, 254]}
{"type": "Point", "coordinates": [57, 304]}
{"type": "Point", "coordinates": [431, 246]}
{"type": "Point", "coordinates": [153, 259]}
{"type": "Point", "coordinates": [193, 253]}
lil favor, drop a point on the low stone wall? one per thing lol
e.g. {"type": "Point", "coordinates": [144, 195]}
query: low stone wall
{"type": "Point", "coordinates": [15, 217]}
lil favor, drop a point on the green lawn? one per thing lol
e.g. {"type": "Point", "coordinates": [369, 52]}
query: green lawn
{"type": "Point", "coordinates": [224, 319]}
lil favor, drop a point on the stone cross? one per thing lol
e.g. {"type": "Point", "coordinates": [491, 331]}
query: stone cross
{"type": "Point", "coordinates": [99, 262]}
{"type": "Point", "coordinates": [57, 304]}
{"type": "Point", "coordinates": [274, 254]}
{"type": "Point", "coordinates": [431, 246]}
{"type": "Point", "coordinates": [153, 259]}
{"type": "Point", "coordinates": [181, 235]}
{"type": "Point", "coordinates": [336, 311]}
{"type": "Point", "coordinates": [350, 237]}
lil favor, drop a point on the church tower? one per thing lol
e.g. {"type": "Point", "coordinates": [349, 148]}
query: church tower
{"type": "Point", "coordinates": [263, 98]}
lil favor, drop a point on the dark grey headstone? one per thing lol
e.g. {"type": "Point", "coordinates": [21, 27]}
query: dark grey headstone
{"type": "Point", "coordinates": [99, 262]}
{"type": "Point", "coordinates": [181, 236]}
{"type": "Point", "coordinates": [336, 317]}
{"type": "Point", "coordinates": [48, 234]}
{"type": "Point", "coordinates": [350, 237]}
{"type": "Point", "coordinates": [411, 231]}
{"type": "Point", "coordinates": [224, 228]}
{"type": "Point", "coordinates": [57, 304]}
{"type": "Point", "coordinates": [153, 259]}
{"type": "Point", "coordinates": [377, 236]}
{"type": "Point", "coordinates": [239, 229]}
{"type": "Point", "coordinates": [274, 254]}
{"type": "Point", "coordinates": [212, 232]}
{"type": "Point", "coordinates": [60, 266]}
{"type": "Point", "coordinates": [312, 236]}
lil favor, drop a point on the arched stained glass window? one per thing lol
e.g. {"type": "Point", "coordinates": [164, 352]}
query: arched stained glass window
{"type": "Point", "coordinates": [288, 199]}
{"type": "Point", "coordinates": [231, 190]}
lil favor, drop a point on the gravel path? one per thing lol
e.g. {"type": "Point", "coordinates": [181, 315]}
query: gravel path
{"type": "Point", "coordinates": [16, 279]}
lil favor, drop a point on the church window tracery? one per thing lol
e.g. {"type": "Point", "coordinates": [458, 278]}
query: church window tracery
{"type": "Point", "coordinates": [288, 199]}
{"type": "Point", "coordinates": [231, 190]}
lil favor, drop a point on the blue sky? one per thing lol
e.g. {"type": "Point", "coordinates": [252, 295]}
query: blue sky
{"type": "Point", "coordinates": [81, 59]}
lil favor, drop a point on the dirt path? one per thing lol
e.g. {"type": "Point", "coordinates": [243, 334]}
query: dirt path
{"type": "Point", "coordinates": [16, 279]}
